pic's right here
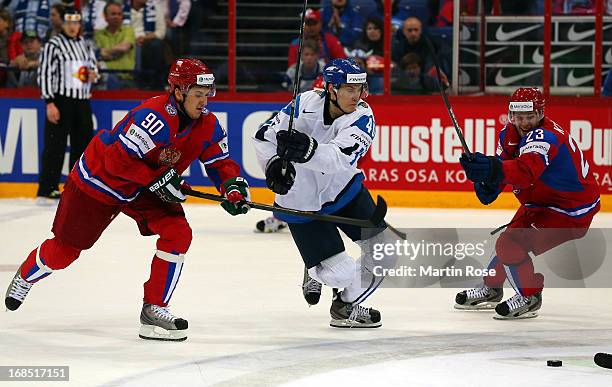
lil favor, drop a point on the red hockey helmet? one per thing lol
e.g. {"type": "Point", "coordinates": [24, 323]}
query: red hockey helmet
{"type": "Point", "coordinates": [527, 99]}
{"type": "Point", "coordinates": [186, 72]}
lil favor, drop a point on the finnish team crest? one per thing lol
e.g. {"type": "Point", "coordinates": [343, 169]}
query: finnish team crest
{"type": "Point", "coordinates": [170, 109]}
{"type": "Point", "coordinates": [169, 156]}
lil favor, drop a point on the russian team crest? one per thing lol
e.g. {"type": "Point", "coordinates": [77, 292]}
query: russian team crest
{"type": "Point", "coordinates": [170, 109]}
{"type": "Point", "coordinates": [169, 156]}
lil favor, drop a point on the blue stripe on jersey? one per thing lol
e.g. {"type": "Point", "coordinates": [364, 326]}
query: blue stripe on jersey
{"type": "Point", "coordinates": [99, 185]}
{"type": "Point", "coordinates": [346, 195]}
{"type": "Point", "coordinates": [540, 134]}
{"type": "Point", "coordinates": [561, 174]}
{"type": "Point", "coordinates": [214, 176]}
{"type": "Point", "coordinates": [108, 137]}
{"type": "Point", "coordinates": [129, 146]}
{"type": "Point", "coordinates": [366, 125]}
{"type": "Point", "coordinates": [155, 125]}
{"type": "Point", "coordinates": [576, 212]}
{"type": "Point", "coordinates": [287, 109]}
{"type": "Point", "coordinates": [218, 132]}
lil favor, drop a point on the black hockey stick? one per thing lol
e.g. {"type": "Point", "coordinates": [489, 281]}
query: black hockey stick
{"type": "Point", "coordinates": [458, 130]}
{"type": "Point", "coordinates": [603, 360]}
{"type": "Point", "coordinates": [374, 221]}
{"type": "Point", "coordinates": [296, 80]}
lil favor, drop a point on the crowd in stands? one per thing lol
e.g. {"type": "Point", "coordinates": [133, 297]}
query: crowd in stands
{"type": "Point", "coordinates": [136, 40]}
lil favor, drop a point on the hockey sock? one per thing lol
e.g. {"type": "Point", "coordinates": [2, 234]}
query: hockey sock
{"type": "Point", "coordinates": [165, 274]}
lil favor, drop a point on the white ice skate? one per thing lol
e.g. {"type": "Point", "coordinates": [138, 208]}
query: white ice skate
{"type": "Point", "coordinates": [159, 324]}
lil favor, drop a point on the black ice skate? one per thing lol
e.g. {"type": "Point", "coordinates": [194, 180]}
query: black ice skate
{"type": "Point", "coordinates": [270, 224]}
{"type": "Point", "coordinates": [518, 307]}
{"type": "Point", "coordinates": [311, 289]}
{"type": "Point", "coordinates": [17, 291]}
{"type": "Point", "coordinates": [159, 324]}
{"type": "Point", "coordinates": [482, 298]}
{"type": "Point", "coordinates": [347, 315]}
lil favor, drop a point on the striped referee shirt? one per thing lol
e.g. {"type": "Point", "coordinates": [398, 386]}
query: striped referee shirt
{"type": "Point", "coordinates": [64, 67]}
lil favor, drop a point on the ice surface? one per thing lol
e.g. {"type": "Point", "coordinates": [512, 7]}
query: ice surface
{"type": "Point", "coordinates": [249, 324]}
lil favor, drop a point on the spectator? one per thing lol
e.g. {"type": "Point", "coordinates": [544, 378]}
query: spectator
{"type": "Point", "coordinates": [67, 69]}
{"type": "Point", "coordinates": [342, 20]}
{"type": "Point", "coordinates": [370, 49]}
{"type": "Point", "coordinates": [573, 7]}
{"type": "Point", "coordinates": [410, 78]}
{"type": "Point", "coordinates": [9, 43]}
{"type": "Point", "coordinates": [372, 38]}
{"type": "Point", "coordinates": [444, 17]}
{"type": "Point", "coordinates": [176, 13]}
{"type": "Point", "coordinates": [116, 43]}
{"type": "Point", "coordinates": [607, 87]}
{"type": "Point", "coordinates": [26, 63]}
{"type": "Point", "coordinates": [93, 16]}
{"type": "Point", "coordinates": [410, 39]}
{"type": "Point", "coordinates": [55, 18]}
{"type": "Point", "coordinates": [330, 47]}
{"type": "Point", "coordinates": [151, 55]}
{"type": "Point", "coordinates": [32, 15]}
{"type": "Point", "coordinates": [310, 67]}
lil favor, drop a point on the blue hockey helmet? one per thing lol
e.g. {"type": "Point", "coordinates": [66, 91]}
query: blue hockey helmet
{"type": "Point", "coordinates": [345, 71]}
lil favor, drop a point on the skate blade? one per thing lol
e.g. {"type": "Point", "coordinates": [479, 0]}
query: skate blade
{"type": "Point", "coordinates": [46, 202]}
{"type": "Point", "coordinates": [521, 317]}
{"type": "Point", "coordinates": [482, 306]}
{"type": "Point", "coordinates": [152, 332]}
{"type": "Point", "coordinates": [352, 324]}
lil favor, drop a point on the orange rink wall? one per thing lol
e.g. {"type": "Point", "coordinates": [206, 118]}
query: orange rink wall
{"type": "Point", "coordinates": [416, 141]}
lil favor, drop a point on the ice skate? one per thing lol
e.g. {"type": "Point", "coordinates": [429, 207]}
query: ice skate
{"type": "Point", "coordinates": [270, 224]}
{"type": "Point", "coordinates": [311, 289]}
{"type": "Point", "coordinates": [518, 307]}
{"type": "Point", "coordinates": [159, 324]}
{"type": "Point", "coordinates": [17, 291]}
{"type": "Point", "coordinates": [482, 298]}
{"type": "Point", "coordinates": [48, 200]}
{"type": "Point", "coordinates": [347, 315]}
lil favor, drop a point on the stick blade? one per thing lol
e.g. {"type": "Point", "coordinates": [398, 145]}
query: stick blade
{"type": "Point", "coordinates": [379, 213]}
{"type": "Point", "coordinates": [603, 360]}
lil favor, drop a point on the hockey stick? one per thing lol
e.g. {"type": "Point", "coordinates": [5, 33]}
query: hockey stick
{"type": "Point", "coordinates": [603, 360]}
{"type": "Point", "coordinates": [397, 232]}
{"type": "Point", "coordinates": [445, 98]}
{"type": "Point", "coordinates": [296, 80]}
{"type": "Point", "coordinates": [375, 219]}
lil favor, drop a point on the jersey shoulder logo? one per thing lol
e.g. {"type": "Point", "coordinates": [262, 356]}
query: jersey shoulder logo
{"type": "Point", "coordinates": [170, 109]}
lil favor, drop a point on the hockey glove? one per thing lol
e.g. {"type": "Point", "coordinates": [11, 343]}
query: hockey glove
{"type": "Point", "coordinates": [486, 193]}
{"type": "Point", "coordinates": [295, 146]}
{"type": "Point", "coordinates": [168, 187]}
{"type": "Point", "coordinates": [236, 192]}
{"type": "Point", "coordinates": [482, 168]}
{"type": "Point", "coordinates": [275, 179]}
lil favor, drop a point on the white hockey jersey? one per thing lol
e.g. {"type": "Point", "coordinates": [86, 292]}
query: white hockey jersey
{"type": "Point", "coordinates": [331, 179]}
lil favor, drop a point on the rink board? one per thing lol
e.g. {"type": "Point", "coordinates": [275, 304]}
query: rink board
{"type": "Point", "coordinates": [413, 161]}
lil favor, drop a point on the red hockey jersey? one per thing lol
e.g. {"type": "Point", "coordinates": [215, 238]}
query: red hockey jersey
{"type": "Point", "coordinates": [547, 169]}
{"type": "Point", "coordinates": [117, 164]}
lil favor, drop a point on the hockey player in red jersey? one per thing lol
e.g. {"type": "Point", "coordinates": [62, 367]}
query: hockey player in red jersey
{"type": "Point", "coordinates": [135, 169]}
{"type": "Point", "coordinates": [558, 194]}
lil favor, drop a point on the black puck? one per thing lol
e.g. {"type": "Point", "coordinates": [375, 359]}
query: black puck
{"type": "Point", "coordinates": [554, 363]}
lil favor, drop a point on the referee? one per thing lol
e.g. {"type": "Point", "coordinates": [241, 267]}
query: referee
{"type": "Point", "coordinates": [67, 69]}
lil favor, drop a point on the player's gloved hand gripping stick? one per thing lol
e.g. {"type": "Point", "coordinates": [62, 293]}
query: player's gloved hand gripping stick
{"type": "Point", "coordinates": [375, 220]}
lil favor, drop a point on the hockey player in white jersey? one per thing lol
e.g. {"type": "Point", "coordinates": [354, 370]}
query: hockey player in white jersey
{"type": "Point", "coordinates": [314, 168]}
